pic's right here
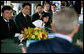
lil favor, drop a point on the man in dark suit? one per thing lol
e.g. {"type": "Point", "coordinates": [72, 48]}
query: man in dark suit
{"type": "Point", "coordinates": [54, 10]}
{"type": "Point", "coordinates": [23, 19]}
{"type": "Point", "coordinates": [66, 25]}
{"type": "Point", "coordinates": [38, 14]}
{"type": "Point", "coordinates": [7, 25]}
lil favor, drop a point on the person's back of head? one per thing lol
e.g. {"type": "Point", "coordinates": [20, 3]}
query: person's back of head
{"type": "Point", "coordinates": [66, 20]}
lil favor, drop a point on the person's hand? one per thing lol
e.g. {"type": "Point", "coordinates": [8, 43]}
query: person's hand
{"type": "Point", "coordinates": [23, 49]}
{"type": "Point", "coordinates": [17, 34]}
{"type": "Point", "coordinates": [79, 43]}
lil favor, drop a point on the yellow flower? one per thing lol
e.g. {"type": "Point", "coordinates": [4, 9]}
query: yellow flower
{"type": "Point", "coordinates": [39, 38]}
{"type": "Point", "coordinates": [40, 34]}
{"type": "Point", "coordinates": [36, 33]}
{"type": "Point", "coordinates": [36, 28]}
{"type": "Point", "coordinates": [39, 28]}
{"type": "Point", "coordinates": [25, 29]}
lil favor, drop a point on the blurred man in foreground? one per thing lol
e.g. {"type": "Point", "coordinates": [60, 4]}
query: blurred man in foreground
{"type": "Point", "coordinates": [65, 26]}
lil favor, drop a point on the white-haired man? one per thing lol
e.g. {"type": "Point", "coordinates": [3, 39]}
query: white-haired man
{"type": "Point", "coordinates": [65, 26]}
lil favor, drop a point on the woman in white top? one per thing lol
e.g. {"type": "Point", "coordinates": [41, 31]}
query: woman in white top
{"type": "Point", "coordinates": [41, 22]}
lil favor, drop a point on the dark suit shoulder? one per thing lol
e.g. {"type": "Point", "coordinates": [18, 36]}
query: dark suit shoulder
{"type": "Point", "coordinates": [38, 47]}
{"type": "Point", "coordinates": [1, 18]}
{"type": "Point", "coordinates": [54, 45]}
{"type": "Point", "coordinates": [75, 49]}
{"type": "Point", "coordinates": [44, 46]}
{"type": "Point", "coordinates": [35, 14]}
{"type": "Point", "coordinates": [19, 16]}
{"type": "Point", "coordinates": [35, 17]}
{"type": "Point", "coordinates": [12, 22]}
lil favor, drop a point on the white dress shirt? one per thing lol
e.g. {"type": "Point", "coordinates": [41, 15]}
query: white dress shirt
{"type": "Point", "coordinates": [63, 37]}
{"type": "Point", "coordinates": [45, 11]}
{"type": "Point", "coordinates": [24, 15]}
{"type": "Point", "coordinates": [6, 20]}
{"type": "Point", "coordinates": [54, 12]}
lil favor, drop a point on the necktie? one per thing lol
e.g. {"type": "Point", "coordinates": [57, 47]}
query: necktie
{"type": "Point", "coordinates": [8, 26]}
{"type": "Point", "coordinates": [26, 20]}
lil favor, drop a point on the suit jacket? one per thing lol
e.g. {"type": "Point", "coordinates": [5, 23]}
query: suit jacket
{"type": "Point", "coordinates": [21, 22]}
{"type": "Point", "coordinates": [54, 45]}
{"type": "Point", "coordinates": [35, 17]}
{"type": "Point", "coordinates": [4, 32]}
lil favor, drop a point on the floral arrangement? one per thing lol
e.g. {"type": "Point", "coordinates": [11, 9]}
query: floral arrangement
{"type": "Point", "coordinates": [34, 33]}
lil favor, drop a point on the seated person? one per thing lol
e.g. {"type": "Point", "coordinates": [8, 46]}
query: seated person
{"type": "Point", "coordinates": [7, 25]}
{"type": "Point", "coordinates": [41, 23]}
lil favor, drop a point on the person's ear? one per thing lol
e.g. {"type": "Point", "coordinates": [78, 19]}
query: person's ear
{"type": "Point", "coordinates": [21, 8]}
{"type": "Point", "coordinates": [76, 29]}
{"type": "Point", "coordinates": [53, 27]}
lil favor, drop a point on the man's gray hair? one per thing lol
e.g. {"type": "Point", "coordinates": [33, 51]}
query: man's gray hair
{"type": "Point", "coordinates": [65, 20]}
